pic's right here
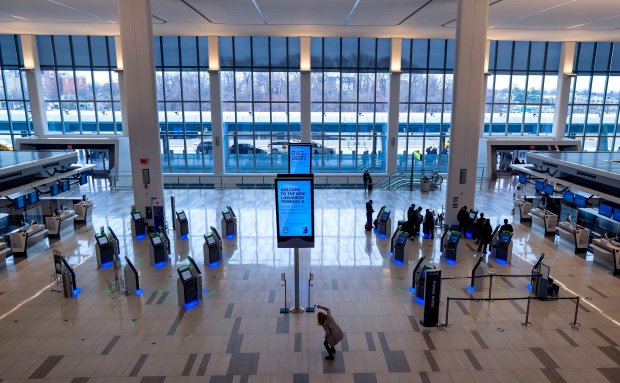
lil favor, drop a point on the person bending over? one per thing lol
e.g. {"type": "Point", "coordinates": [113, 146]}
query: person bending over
{"type": "Point", "coordinates": [333, 332]}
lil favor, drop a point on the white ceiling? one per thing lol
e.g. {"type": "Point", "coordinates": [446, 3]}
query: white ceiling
{"type": "Point", "coordinates": [508, 19]}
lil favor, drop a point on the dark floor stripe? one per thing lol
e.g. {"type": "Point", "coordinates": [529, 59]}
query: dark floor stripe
{"type": "Point", "coordinates": [344, 344]}
{"type": "Point", "coordinates": [301, 378]}
{"type": "Point", "coordinates": [110, 345]}
{"type": "Point", "coordinates": [473, 360]}
{"type": "Point", "coordinates": [221, 379]}
{"type": "Point", "coordinates": [583, 307]}
{"type": "Point", "coordinates": [187, 370]}
{"type": "Point", "coordinates": [272, 296]}
{"type": "Point", "coordinates": [151, 298]}
{"type": "Point", "coordinates": [472, 248]}
{"type": "Point", "coordinates": [612, 353]}
{"type": "Point", "coordinates": [462, 307]}
{"type": "Point", "coordinates": [138, 366]}
{"type": "Point", "coordinates": [202, 369]}
{"type": "Point", "coordinates": [246, 275]}
{"type": "Point", "coordinates": [297, 342]}
{"type": "Point", "coordinates": [48, 364]}
{"type": "Point", "coordinates": [243, 364]}
{"type": "Point", "coordinates": [544, 358]}
{"type": "Point", "coordinates": [229, 310]}
{"type": "Point", "coordinates": [481, 342]}
{"type": "Point", "coordinates": [364, 377]}
{"type": "Point", "coordinates": [177, 321]}
{"type": "Point", "coordinates": [383, 341]}
{"type": "Point", "coordinates": [163, 297]}
{"type": "Point", "coordinates": [282, 325]}
{"type": "Point", "coordinates": [370, 341]}
{"type": "Point", "coordinates": [607, 339]}
{"type": "Point", "coordinates": [153, 379]}
{"type": "Point", "coordinates": [508, 283]}
{"type": "Point", "coordinates": [611, 373]}
{"type": "Point", "coordinates": [334, 284]}
{"type": "Point", "coordinates": [429, 341]}
{"type": "Point", "coordinates": [517, 307]}
{"type": "Point", "coordinates": [424, 377]}
{"type": "Point", "coordinates": [396, 361]}
{"type": "Point", "coordinates": [335, 366]}
{"type": "Point", "coordinates": [244, 379]}
{"type": "Point", "coordinates": [431, 360]}
{"type": "Point", "coordinates": [414, 323]}
{"type": "Point", "coordinates": [553, 375]}
{"type": "Point", "coordinates": [74, 380]}
{"type": "Point", "coordinates": [598, 292]}
{"type": "Point", "coordinates": [234, 344]}
{"type": "Point", "coordinates": [567, 337]}
{"type": "Point", "coordinates": [236, 326]}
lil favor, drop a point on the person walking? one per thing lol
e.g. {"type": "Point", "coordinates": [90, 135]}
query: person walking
{"type": "Point", "coordinates": [485, 236]}
{"type": "Point", "coordinates": [369, 211]}
{"type": "Point", "coordinates": [478, 227]}
{"type": "Point", "coordinates": [369, 184]}
{"type": "Point", "coordinates": [366, 177]}
{"type": "Point", "coordinates": [333, 332]}
{"type": "Point", "coordinates": [418, 221]}
{"type": "Point", "coordinates": [463, 218]}
{"type": "Point", "coordinates": [428, 227]}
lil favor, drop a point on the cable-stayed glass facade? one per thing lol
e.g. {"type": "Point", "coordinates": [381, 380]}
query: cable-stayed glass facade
{"type": "Point", "coordinates": [594, 99]}
{"type": "Point", "coordinates": [521, 87]}
{"type": "Point", "coordinates": [425, 103]}
{"type": "Point", "coordinates": [349, 103]}
{"type": "Point", "coordinates": [15, 118]}
{"type": "Point", "coordinates": [184, 103]}
{"type": "Point", "coordinates": [80, 85]}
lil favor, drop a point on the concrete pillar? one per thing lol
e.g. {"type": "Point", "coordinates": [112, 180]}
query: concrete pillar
{"type": "Point", "coordinates": [393, 102]}
{"type": "Point", "coordinates": [567, 56]}
{"type": "Point", "coordinates": [121, 82]}
{"type": "Point", "coordinates": [216, 105]}
{"type": "Point", "coordinates": [136, 33]}
{"type": "Point", "coordinates": [34, 84]}
{"type": "Point", "coordinates": [304, 84]}
{"type": "Point", "coordinates": [471, 34]}
{"type": "Point", "coordinates": [485, 83]}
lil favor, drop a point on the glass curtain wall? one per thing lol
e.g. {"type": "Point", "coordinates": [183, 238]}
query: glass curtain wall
{"type": "Point", "coordinates": [184, 103]}
{"type": "Point", "coordinates": [349, 103]}
{"type": "Point", "coordinates": [425, 104]}
{"type": "Point", "coordinates": [594, 98]}
{"type": "Point", "coordinates": [260, 102]}
{"type": "Point", "coordinates": [521, 87]}
{"type": "Point", "coordinates": [80, 85]}
{"type": "Point", "coordinates": [15, 117]}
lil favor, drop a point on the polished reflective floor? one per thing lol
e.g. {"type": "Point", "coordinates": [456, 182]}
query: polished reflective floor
{"type": "Point", "coordinates": [236, 334]}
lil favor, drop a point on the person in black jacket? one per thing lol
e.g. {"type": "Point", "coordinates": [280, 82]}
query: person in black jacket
{"type": "Point", "coordinates": [485, 236]}
{"type": "Point", "coordinates": [369, 211]}
{"type": "Point", "coordinates": [478, 227]}
{"type": "Point", "coordinates": [366, 177]}
{"type": "Point", "coordinates": [418, 221]}
{"type": "Point", "coordinates": [463, 218]}
{"type": "Point", "coordinates": [506, 227]}
{"type": "Point", "coordinates": [411, 213]}
{"type": "Point", "coordinates": [428, 227]}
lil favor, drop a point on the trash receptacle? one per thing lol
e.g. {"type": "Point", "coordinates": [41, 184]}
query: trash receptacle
{"type": "Point", "coordinates": [425, 184]}
{"type": "Point", "coordinates": [67, 285]}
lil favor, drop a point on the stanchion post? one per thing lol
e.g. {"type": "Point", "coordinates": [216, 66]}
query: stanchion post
{"type": "Point", "coordinates": [527, 313]}
{"type": "Point", "coordinates": [575, 325]}
{"type": "Point", "coordinates": [447, 311]}
{"type": "Point", "coordinates": [490, 285]}
{"type": "Point", "coordinates": [285, 309]}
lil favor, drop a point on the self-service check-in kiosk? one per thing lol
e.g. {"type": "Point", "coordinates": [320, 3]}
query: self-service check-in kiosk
{"type": "Point", "coordinates": [420, 285]}
{"type": "Point", "coordinates": [471, 226]}
{"type": "Point", "coordinates": [477, 281]}
{"type": "Point", "coordinates": [217, 236]}
{"type": "Point", "coordinates": [157, 250]}
{"type": "Point", "coordinates": [607, 254]}
{"type": "Point", "coordinates": [60, 223]}
{"type": "Point", "coordinates": [181, 225]}
{"type": "Point", "coordinates": [384, 222]}
{"type": "Point", "coordinates": [187, 287]}
{"type": "Point", "coordinates": [229, 223]}
{"type": "Point", "coordinates": [503, 248]}
{"type": "Point", "coordinates": [132, 279]}
{"type": "Point", "coordinates": [544, 287]}
{"type": "Point", "coordinates": [26, 238]}
{"type": "Point", "coordinates": [400, 247]}
{"type": "Point", "coordinates": [166, 240]}
{"type": "Point", "coordinates": [138, 224]}
{"type": "Point", "coordinates": [83, 210]}
{"type": "Point", "coordinates": [211, 250]}
{"type": "Point", "coordinates": [104, 250]}
{"type": "Point", "coordinates": [452, 246]}
{"type": "Point", "coordinates": [573, 236]}
{"type": "Point", "coordinates": [197, 274]}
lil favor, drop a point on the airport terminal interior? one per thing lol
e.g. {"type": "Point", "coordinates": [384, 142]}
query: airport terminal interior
{"type": "Point", "coordinates": [276, 191]}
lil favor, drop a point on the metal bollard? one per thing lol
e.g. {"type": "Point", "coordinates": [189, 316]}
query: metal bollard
{"type": "Point", "coordinates": [527, 323]}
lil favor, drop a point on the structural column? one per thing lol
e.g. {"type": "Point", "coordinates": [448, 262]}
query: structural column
{"type": "Point", "coordinates": [392, 133]}
{"type": "Point", "coordinates": [34, 85]}
{"type": "Point", "coordinates": [471, 34]}
{"type": "Point", "coordinates": [121, 82]}
{"type": "Point", "coordinates": [141, 105]}
{"type": "Point", "coordinates": [216, 105]}
{"type": "Point", "coordinates": [565, 72]}
{"type": "Point", "coordinates": [305, 87]}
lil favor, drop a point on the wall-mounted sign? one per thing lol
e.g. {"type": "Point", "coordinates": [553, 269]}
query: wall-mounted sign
{"type": "Point", "coordinates": [299, 158]}
{"type": "Point", "coordinates": [295, 210]}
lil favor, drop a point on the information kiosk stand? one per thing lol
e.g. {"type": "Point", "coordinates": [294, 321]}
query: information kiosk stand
{"type": "Point", "coordinates": [544, 220]}
{"type": "Point", "coordinates": [187, 288]}
{"type": "Point", "coordinates": [181, 225]}
{"type": "Point", "coordinates": [69, 283]}
{"type": "Point", "coordinates": [452, 247]}
{"type": "Point", "coordinates": [157, 251]}
{"type": "Point", "coordinates": [132, 279]}
{"type": "Point", "coordinates": [84, 210]}
{"type": "Point", "coordinates": [384, 222]}
{"type": "Point", "coordinates": [607, 254]}
{"type": "Point", "coordinates": [477, 283]}
{"type": "Point", "coordinates": [211, 250]}
{"type": "Point", "coordinates": [138, 224]}
{"type": "Point", "coordinates": [60, 223]}
{"type": "Point", "coordinates": [432, 298]}
{"type": "Point", "coordinates": [196, 273]}
{"type": "Point", "coordinates": [545, 288]}
{"type": "Point", "coordinates": [229, 223]}
{"type": "Point", "coordinates": [104, 250]}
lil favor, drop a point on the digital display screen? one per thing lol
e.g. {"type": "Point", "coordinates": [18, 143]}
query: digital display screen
{"type": "Point", "coordinates": [32, 198]}
{"type": "Point", "coordinates": [473, 214]}
{"type": "Point", "coordinates": [295, 212]}
{"type": "Point", "coordinates": [103, 240]}
{"type": "Point", "coordinates": [186, 275]}
{"type": "Point", "coordinates": [617, 213]}
{"type": "Point", "coordinates": [64, 186]}
{"type": "Point", "coordinates": [181, 216]}
{"type": "Point", "coordinates": [136, 216]}
{"type": "Point", "coordinates": [454, 237]}
{"type": "Point", "coordinates": [20, 202]}
{"type": "Point", "coordinates": [54, 190]}
{"type": "Point", "coordinates": [299, 159]}
{"type": "Point", "coordinates": [604, 209]}
{"type": "Point", "coordinates": [156, 240]}
{"type": "Point", "coordinates": [548, 188]}
{"type": "Point", "coordinates": [210, 240]}
{"type": "Point", "coordinates": [522, 179]}
{"type": "Point", "coordinates": [569, 197]}
{"type": "Point", "coordinates": [544, 271]}
{"type": "Point", "coordinates": [227, 216]}
{"type": "Point", "coordinates": [580, 200]}
{"type": "Point", "coordinates": [83, 179]}
{"type": "Point", "coordinates": [539, 186]}
{"type": "Point", "coordinates": [385, 215]}
{"type": "Point", "coordinates": [505, 237]}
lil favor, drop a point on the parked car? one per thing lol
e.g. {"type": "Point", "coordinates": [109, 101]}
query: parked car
{"type": "Point", "coordinates": [280, 147]}
{"type": "Point", "coordinates": [204, 147]}
{"type": "Point", "coordinates": [245, 149]}
{"type": "Point", "coordinates": [318, 148]}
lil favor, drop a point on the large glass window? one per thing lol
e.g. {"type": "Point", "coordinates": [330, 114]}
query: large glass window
{"type": "Point", "coordinates": [14, 102]}
{"type": "Point", "coordinates": [260, 102]}
{"type": "Point", "coordinates": [594, 99]}
{"type": "Point", "coordinates": [425, 103]}
{"type": "Point", "coordinates": [521, 88]}
{"type": "Point", "coordinates": [184, 103]}
{"type": "Point", "coordinates": [80, 85]}
{"type": "Point", "coordinates": [349, 104]}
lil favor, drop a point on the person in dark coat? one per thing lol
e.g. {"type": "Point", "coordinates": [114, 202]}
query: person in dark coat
{"type": "Point", "coordinates": [369, 211]}
{"type": "Point", "coordinates": [485, 236]}
{"type": "Point", "coordinates": [463, 218]}
{"type": "Point", "coordinates": [506, 227]}
{"type": "Point", "coordinates": [369, 184]}
{"type": "Point", "coordinates": [411, 213]}
{"type": "Point", "coordinates": [366, 177]}
{"type": "Point", "coordinates": [333, 332]}
{"type": "Point", "coordinates": [418, 221]}
{"type": "Point", "coordinates": [478, 227]}
{"type": "Point", "coordinates": [428, 227]}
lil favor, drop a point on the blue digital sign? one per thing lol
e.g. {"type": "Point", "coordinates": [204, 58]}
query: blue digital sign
{"type": "Point", "coordinates": [539, 186]}
{"type": "Point", "coordinates": [522, 179]}
{"type": "Point", "coordinates": [580, 200]}
{"type": "Point", "coordinates": [295, 211]}
{"type": "Point", "coordinates": [617, 213]}
{"type": "Point", "coordinates": [604, 209]}
{"type": "Point", "coordinates": [299, 158]}
{"type": "Point", "coordinates": [548, 188]}
{"type": "Point", "coordinates": [569, 197]}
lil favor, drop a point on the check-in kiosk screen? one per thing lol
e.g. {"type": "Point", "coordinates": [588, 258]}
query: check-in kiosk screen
{"type": "Point", "coordinates": [569, 197]}
{"type": "Point", "coordinates": [505, 237]}
{"type": "Point", "coordinates": [186, 275]}
{"type": "Point", "coordinates": [210, 240]}
{"type": "Point", "coordinates": [156, 240]}
{"type": "Point", "coordinates": [32, 198]}
{"type": "Point", "coordinates": [54, 190]}
{"type": "Point", "coordinates": [604, 209]}
{"type": "Point", "coordinates": [548, 188]}
{"type": "Point", "coordinates": [227, 216]}
{"type": "Point", "coordinates": [136, 216]}
{"type": "Point", "coordinates": [473, 214]}
{"type": "Point", "coordinates": [544, 271]}
{"type": "Point", "coordinates": [103, 240]}
{"type": "Point", "coordinates": [454, 237]}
